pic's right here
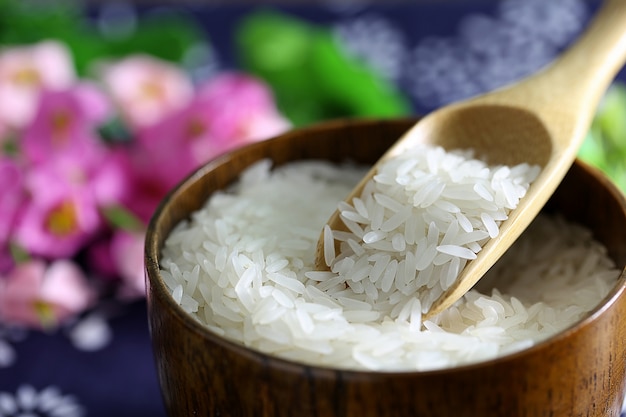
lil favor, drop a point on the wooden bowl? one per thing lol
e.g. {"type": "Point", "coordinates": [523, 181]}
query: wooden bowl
{"type": "Point", "coordinates": [581, 371]}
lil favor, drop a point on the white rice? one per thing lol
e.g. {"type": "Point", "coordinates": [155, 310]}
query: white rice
{"type": "Point", "coordinates": [243, 266]}
{"type": "Point", "coordinates": [455, 203]}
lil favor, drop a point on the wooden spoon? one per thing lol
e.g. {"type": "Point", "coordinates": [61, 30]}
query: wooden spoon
{"type": "Point", "coordinates": [541, 120]}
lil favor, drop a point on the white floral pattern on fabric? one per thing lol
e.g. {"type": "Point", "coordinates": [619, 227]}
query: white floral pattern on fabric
{"type": "Point", "coordinates": [375, 40]}
{"type": "Point", "coordinates": [89, 334]}
{"type": "Point", "coordinates": [9, 335]}
{"type": "Point", "coordinates": [491, 51]}
{"type": "Point", "coordinates": [486, 53]}
{"type": "Point", "coordinates": [29, 402]}
{"type": "Point", "coordinates": [7, 354]}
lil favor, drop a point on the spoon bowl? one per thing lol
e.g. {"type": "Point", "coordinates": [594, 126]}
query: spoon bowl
{"type": "Point", "coordinates": [541, 120]}
{"type": "Point", "coordinates": [486, 128]}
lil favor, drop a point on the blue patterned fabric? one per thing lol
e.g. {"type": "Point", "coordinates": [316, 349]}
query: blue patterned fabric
{"type": "Point", "coordinates": [437, 52]}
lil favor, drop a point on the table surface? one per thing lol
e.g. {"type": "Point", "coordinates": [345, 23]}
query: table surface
{"type": "Point", "coordinates": [119, 379]}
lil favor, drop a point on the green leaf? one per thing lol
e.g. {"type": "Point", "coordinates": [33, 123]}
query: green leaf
{"type": "Point", "coordinates": [611, 116]}
{"type": "Point", "coordinates": [312, 77]}
{"type": "Point", "coordinates": [276, 48]}
{"type": "Point", "coordinates": [30, 21]}
{"type": "Point", "coordinates": [352, 85]}
{"type": "Point", "coordinates": [115, 131]}
{"type": "Point", "coordinates": [9, 146]}
{"type": "Point", "coordinates": [605, 146]}
{"type": "Point", "coordinates": [18, 253]}
{"type": "Point", "coordinates": [166, 36]}
{"type": "Point", "coordinates": [592, 151]}
{"type": "Point", "coordinates": [119, 217]}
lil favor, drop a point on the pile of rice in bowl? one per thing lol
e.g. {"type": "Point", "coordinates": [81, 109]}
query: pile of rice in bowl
{"type": "Point", "coordinates": [243, 265]}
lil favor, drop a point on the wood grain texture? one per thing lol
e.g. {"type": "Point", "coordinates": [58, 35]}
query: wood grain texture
{"type": "Point", "coordinates": [581, 372]}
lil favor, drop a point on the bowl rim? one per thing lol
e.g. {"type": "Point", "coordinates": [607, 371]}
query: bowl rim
{"type": "Point", "coordinates": [156, 285]}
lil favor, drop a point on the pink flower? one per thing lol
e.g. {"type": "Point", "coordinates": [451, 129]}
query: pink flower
{"type": "Point", "coordinates": [100, 261]}
{"type": "Point", "coordinates": [25, 72]}
{"type": "Point", "coordinates": [146, 88]}
{"type": "Point", "coordinates": [119, 259]}
{"type": "Point", "coordinates": [43, 296]}
{"type": "Point", "coordinates": [6, 259]}
{"type": "Point", "coordinates": [58, 225]}
{"type": "Point", "coordinates": [230, 111]}
{"type": "Point", "coordinates": [103, 176]}
{"type": "Point", "coordinates": [11, 198]}
{"type": "Point", "coordinates": [67, 196]}
{"type": "Point", "coordinates": [65, 124]}
{"type": "Point", "coordinates": [245, 108]}
{"type": "Point", "coordinates": [11, 195]}
{"type": "Point", "coordinates": [72, 174]}
{"type": "Point", "coordinates": [127, 256]}
{"type": "Point", "coordinates": [172, 148]}
{"type": "Point", "coordinates": [148, 188]}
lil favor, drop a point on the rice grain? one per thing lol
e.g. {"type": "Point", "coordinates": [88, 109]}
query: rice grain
{"type": "Point", "coordinates": [366, 313]}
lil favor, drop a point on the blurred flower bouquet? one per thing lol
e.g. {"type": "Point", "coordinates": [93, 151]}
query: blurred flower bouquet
{"type": "Point", "coordinates": [605, 145]}
{"type": "Point", "coordinates": [101, 117]}
{"type": "Point", "coordinates": [84, 163]}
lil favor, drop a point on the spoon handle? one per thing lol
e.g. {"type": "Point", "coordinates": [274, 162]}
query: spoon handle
{"type": "Point", "coordinates": [589, 67]}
